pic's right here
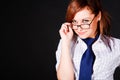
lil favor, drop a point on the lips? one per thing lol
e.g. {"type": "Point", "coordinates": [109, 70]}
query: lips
{"type": "Point", "coordinates": [81, 33]}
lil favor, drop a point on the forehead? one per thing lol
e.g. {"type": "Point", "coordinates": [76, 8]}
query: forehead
{"type": "Point", "coordinates": [83, 13]}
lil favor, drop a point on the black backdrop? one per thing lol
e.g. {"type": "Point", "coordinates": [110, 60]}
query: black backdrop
{"type": "Point", "coordinates": [29, 36]}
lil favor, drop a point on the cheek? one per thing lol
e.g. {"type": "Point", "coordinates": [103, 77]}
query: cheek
{"type": "Point", "coordinates": [90, 32]}
{"type": "Point", "coordinates": [94, 27]}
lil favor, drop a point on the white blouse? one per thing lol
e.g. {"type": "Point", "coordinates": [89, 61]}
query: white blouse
{"type": "Point", "coordinates": [106, 50]}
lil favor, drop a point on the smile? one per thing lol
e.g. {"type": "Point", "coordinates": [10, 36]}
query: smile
{"type": "Point", "coordinates": [82, 33]}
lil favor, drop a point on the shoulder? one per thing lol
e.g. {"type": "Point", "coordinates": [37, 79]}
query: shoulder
{"type": "Point", "coordinates": [59, 45]}
{"type": "Point", "coordinates": [115, 41]}
{"type": "Point", "coordinates": [112, 42]}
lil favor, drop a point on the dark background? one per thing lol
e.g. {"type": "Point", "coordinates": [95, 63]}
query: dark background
{"type": "Point", "coordinates": [29, 36]}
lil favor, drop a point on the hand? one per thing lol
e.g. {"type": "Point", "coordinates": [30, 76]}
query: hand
{"type": "Point", "coordinates": [66, 32]}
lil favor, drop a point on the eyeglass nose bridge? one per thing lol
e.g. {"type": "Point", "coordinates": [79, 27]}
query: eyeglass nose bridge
{"type": "Point", "coordinates": [79, 26]}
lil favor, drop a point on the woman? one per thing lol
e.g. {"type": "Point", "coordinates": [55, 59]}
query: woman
{"type": "Point", "coordinates": [86, 50]}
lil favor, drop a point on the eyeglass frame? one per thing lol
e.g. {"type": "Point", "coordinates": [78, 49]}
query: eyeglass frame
{"type": "Point", "coordinates": [84, 24]}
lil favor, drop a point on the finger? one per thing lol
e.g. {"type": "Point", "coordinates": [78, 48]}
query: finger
{"type": "Point", "coordinates": [64, 28]}
{"type": "Point", "coordinates": [70, 29]}
{"type": "Point", "coordinates": [67, 23]}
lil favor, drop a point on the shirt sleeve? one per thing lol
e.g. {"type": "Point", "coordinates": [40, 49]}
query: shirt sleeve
{"type": "Point", "coordinates": [58, 54]}
{"type": "Point", "coordinates": [118, 49]}
{"type": "Point", "coordinates": [119, 52]}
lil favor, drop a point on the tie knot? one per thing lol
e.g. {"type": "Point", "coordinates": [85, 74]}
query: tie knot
{"type": "Point", "coordinates": [90, 41]}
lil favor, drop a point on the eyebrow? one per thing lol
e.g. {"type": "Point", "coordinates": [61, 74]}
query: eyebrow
{"type": "Point", "coordinates": [81, 19]}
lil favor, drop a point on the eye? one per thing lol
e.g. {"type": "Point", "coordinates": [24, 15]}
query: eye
{"type": "Point", "coordinates": [74, 21]}
{"type": "Point", "coordinates": [85, 21]}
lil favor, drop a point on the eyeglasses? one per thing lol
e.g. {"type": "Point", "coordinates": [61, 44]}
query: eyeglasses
{"type": "Point", "coordinates": [82, 26]}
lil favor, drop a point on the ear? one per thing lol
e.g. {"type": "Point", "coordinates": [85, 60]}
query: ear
{"type": "Point", "coordinates": [99, 16]}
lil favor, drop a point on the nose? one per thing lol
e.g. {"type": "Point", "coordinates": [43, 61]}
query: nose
{"type": "Point", "coordinates": [79, 28]}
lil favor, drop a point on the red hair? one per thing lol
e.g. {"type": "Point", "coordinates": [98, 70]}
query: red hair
{"type": "Point", "coordinates": [95, 6]}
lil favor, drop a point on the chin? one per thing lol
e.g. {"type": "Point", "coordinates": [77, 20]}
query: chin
{"type": "Point", "coordinates": [82, 36]}
{"type": "Point", "coordinates": [85, 35]}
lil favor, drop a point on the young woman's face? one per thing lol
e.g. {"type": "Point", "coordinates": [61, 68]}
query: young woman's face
{"type": "Point", "coordinates": [84, 18]}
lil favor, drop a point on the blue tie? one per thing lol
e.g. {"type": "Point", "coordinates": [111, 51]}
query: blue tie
{"type": "Point", "coordinates": [86, 68]}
